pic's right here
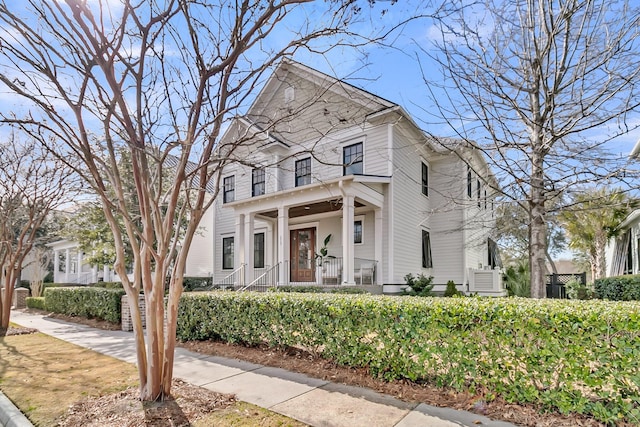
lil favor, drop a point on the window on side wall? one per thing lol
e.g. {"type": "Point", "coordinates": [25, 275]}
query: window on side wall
{"type": "Point", "coordinates": [478, 192]}
{"type": "Point", "coordinates": [258, 250]}
{"type": "Point", "coordinates": [352, 159]}
{"type": "Point", "coordinates": [427, 260]}
{"type": "Point", "coordinates": [469, 182]}
{"type": "Point", "coordinates": [494, 256]}
{"type": "Point", "coordinates": [303, 172]}
{"type": "Point", "coordinates": [257, 182]}
{"type": "Point", "coordinates": [227, 253]}
{"type": "Point", "coordinates": [425, 179]}
{"type": "Point", "coordinates": [357, 231]}
{"type": "Point", "coordinates": [229, 189]}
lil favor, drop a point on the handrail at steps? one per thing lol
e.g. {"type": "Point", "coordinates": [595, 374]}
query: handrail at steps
{"type": "Point", "coordinates": [272, 273]}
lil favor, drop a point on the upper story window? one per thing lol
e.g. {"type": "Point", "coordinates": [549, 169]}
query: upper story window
{"type": "Point", "coordinates": [303, 172]}
{"type": "Point", "coordinates": [478, 187]}
{"type": "Point", "coordinates": [229, 189]}
{"type": "Point", "coordinates": [352, 159]}
{"type": "Point", "coordinates": [257, 182]}
{"type": "Point", "coordinates": [469, 180]}
{"type": "Point", "coordinates": [425, 179]}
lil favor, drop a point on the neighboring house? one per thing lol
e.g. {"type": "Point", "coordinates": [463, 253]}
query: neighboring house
{"type": "Point", "coordinates": [623, 251]}
{"type": "Point", "coordinates": [323, 158]}
{"type": "Point", "coordinates": [70, 265]}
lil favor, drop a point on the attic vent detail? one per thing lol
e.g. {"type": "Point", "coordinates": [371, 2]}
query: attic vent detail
{"type": "Point", "coordinates": [289, 94]}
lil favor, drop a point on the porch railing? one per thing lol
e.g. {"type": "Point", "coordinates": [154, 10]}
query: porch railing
{"type": "Point", "coordinates": [231, 281]}
{"type": "Point", "coordinates": [330, 271]}
{"type": "Point", "coordinates": [266, 280]}
{"type": "Point", "coordinates": [364, 271]}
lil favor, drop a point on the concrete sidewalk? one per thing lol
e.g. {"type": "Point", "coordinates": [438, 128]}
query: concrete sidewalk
{"type": "Point", "coordinates": [310, 400]}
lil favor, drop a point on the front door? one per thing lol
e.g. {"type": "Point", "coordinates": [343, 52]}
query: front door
{"type": "Point", "coordinates": [303, 243]}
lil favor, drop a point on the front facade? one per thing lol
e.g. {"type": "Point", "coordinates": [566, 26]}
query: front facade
{"type": "Point", "coordinates": [333, 185]}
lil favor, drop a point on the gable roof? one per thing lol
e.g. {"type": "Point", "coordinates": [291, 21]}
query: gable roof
{"type": "Point", "coordinates": [288, 66]}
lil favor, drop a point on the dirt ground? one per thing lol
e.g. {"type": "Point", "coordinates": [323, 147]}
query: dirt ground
{"type": "Point", "coordinates": [299, 361]}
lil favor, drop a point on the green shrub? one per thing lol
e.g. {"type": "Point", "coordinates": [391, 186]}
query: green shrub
{"type": "Point", "coordinates": [108, 285]}
{"type": "Point", "coordinates": [348, 290]}
{"type": "Point", "coordinates": [87, 302]}
{"type": "Point", "coordinates": [620, 288]}
{"type": "Point", "coordinates": [561, 355]}
{"type": "Point", "coordinates": [576, 290]}
{"type": "Point", "coordinates": [197, 283]}
{"type": "Point", "coordinates": [516, 280]}
{"type": "Point", "coordinates": [451, 290]}
{"type": "Point", "coordinates": [420, 285]}
{"type": "Point", "coordinates": [35, 302]}
{"type": "Point", "coordinates": [299, 289]}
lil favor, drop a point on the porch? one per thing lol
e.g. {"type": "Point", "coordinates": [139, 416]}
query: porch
{"type": "Point", "coordinates": [327, 234]}
{"type": "Point", "coordinates": [328, 274]}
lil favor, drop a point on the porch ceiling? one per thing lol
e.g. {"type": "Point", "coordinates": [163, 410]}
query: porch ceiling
{"type": "Point", "coordinates": [311, 209]}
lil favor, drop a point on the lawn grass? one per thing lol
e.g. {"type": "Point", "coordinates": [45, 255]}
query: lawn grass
{"type": "Point", "coordinates": [43, 376]}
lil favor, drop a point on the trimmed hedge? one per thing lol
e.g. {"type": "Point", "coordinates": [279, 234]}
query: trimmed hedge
{"type": "Point", "coordinates": [620, 288]}
{"type": "Point", "coordinates": [319, 289]}
{"type": "Point", "coordinates": [86, 302]}
{"type": "Point", "coordinates": [566, 356]}
{"type": "Point", "coordinates": [35, 302]}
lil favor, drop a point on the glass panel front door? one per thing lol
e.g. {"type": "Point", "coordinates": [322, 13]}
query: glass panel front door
{"type": "Point", "coordinates": [303, 243]}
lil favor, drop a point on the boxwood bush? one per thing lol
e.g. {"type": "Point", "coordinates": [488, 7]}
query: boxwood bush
{"type": "Point", "coordinates": [88, 302]}
{"type": "Point", "coordinates": [620, 288]}
{"type": "Point", "coordinates": [35, 302]}
{"type": "Point", "coordinates": [566, 356]}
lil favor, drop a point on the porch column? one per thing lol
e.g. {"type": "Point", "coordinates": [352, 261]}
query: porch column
{"type": "Point", "coordinates": [106, 273]}
{"type": "Point", "coordinates": [239, 244]}
{"type": "Point", "coordinates": [248, 246]}
{"type": "Point", "coordinates": [67, 265]}
{"type": "Point", "coordinates": [79, 271]}
{"type": "Point", "coordinates": [378, 245]}
{"type": "Point", "coordinates": [348, 207]}
{"type": "Point", "coordinates": [56, 265]}
{"type": "Point", "coordinates": [283, 244]}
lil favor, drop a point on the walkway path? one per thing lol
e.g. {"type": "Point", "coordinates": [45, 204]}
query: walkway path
{"type": "Point", "coordinates": [312, 401]}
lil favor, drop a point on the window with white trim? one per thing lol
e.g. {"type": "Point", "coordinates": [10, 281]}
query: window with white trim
{"type": "Point", "coordinates": [303, 172]}
{"type": "Point", "coordinates": [427, 260]}
{"type": "Point", "coordinates": [425, 179]}
{"type": "Point", "coordinates": [257, 182]}
{"type": "Point", "coordinates": [227, 253]}
{"type": "Point", "coordinates": [228, 189]}
{"type": "Point", "coordinates": [352, 159]}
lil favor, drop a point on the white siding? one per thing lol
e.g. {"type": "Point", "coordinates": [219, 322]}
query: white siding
{"type": "Point", "coordinates": [410, 207]}
{"type": "Point", "coordinates": [200, 257]}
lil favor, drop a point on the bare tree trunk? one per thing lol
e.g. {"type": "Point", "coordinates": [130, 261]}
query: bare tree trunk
{"type": "Point", "coordinates": [9, 284]}
{"type": "Point", "coordinates": [538, 243]}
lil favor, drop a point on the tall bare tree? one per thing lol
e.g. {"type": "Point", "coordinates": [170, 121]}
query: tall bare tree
{"type": "Point", "coordinates": [158, 80]}
{"type": "Point", "coordinates": [32, 183]}
{"type": "Point", "coordinates": [542, 86]}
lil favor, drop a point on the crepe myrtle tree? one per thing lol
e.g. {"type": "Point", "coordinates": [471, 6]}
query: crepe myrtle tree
{"type": "Point", "coordinates": [32, 184]}
{"type": "Point", "coordinates": [540, 86]}
{"type": "Point", "coordinates": [157, 80]}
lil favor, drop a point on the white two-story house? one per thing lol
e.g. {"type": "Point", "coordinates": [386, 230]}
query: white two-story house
{"type": "Point", "coordinates": [332, 185]}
